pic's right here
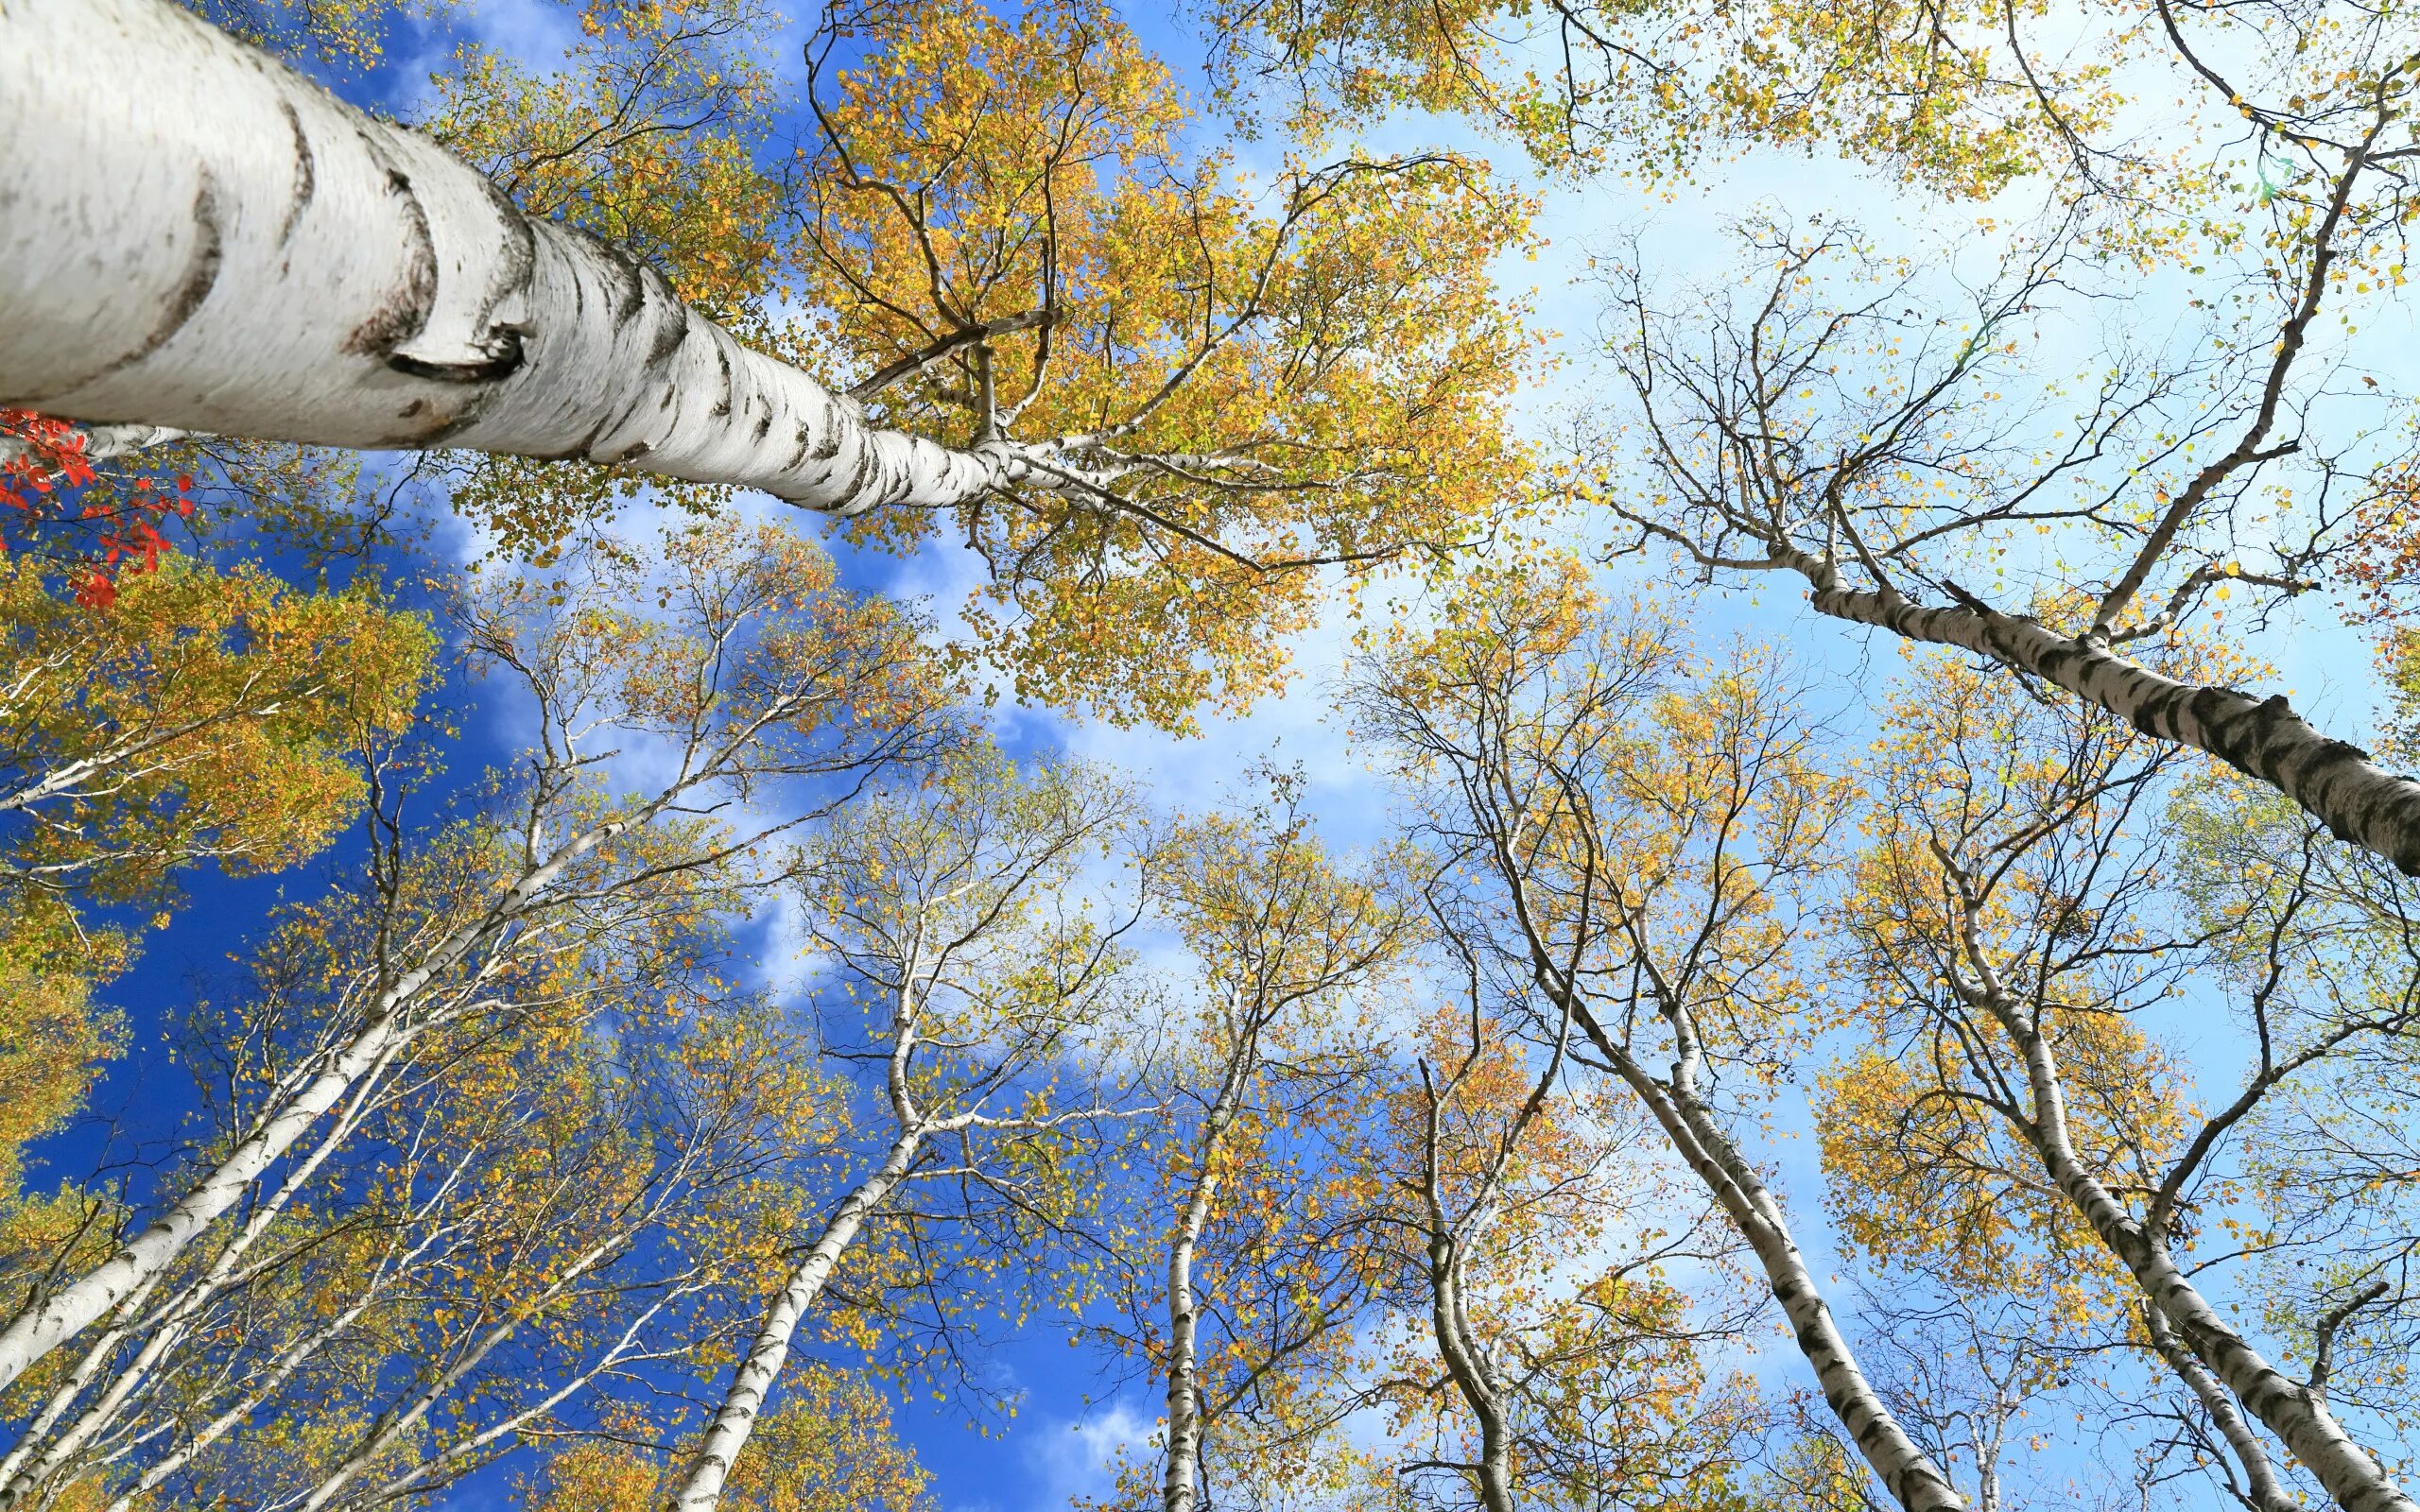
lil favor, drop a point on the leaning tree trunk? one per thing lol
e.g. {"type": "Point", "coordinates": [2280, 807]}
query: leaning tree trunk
{"type": "Point", "coordinates": [702, 1477]}
{"type": "Point", "coordinates": [1914, 1481]}
{"type": "Point", "coordinates": [2333, 781]}
{"type": "Point", "coordinates": [386, 1025]}
{"type": "Point", "coordinates": [2291, 1409]}
{"type": "Point", "coordinates": [196, 237]}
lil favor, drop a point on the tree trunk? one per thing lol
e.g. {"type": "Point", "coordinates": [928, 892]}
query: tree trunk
{"type": "Point", "coordinates": [1458, 1347]}
{"type": "Point", "coordinates": [1181, 1485]}
{"type": "Point", "coordinates": [60, 1317]}
{"type": "Point", "coordinates": [2263, 738]}
{"type": "Point", "coordinates": [2297, 1414]}
{"type": "Point", "coordinates": [384, 1030]}
{"type": "Point", "coordinates": [702, 1481]}
{"type": "Point", "coordinates": [197, 238]}
{"type": "Point", "coordinates": [2260, 1489]}
{"type": "Point", "coordinates": [1913, 1480]}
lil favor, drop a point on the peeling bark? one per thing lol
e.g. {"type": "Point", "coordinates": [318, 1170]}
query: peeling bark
{"type": "Point", "coordinates": [195, 237]}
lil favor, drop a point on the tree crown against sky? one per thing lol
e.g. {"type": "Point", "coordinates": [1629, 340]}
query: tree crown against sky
{"type": "Point", "coordinates": [711, 1003]}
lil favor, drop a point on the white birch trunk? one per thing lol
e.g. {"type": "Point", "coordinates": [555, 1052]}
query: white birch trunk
{"type": "Point", "coordinates": [1909, 1474]}
{"type": "Point", "coordinates": [702, 1481]}
{"type": "Point", "coordinates": [396, 1422]}
{"type": "Point", "coordinates": [2260, 1489]}
{"type": "Point", "coordinates": [196, 237]}
{"type": "Point", "coordinates": [43, 1327]}
{"type": "Point", "coordinates": [167, 1321]}
{"type": "Point", "coordinates": [282, 1369]}
{"type": "Point", "coordinates": [1458, 1347]}
{"type": "Point", "coordinates": [64, 1314]}
{"type": "Point", "coordinates": [2296, 1413]}
{"type": "Point", "coordinates": [102, 442]}
{"type": "Point", "coordinates": [1180, 1485]}
{"type": "Point", "coordinates": [2333, 781]}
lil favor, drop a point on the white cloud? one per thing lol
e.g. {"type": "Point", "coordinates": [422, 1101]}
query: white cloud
{"type": "Point", "coordinates": [1078, 1457]}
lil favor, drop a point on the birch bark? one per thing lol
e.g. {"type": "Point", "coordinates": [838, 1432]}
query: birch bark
{"type": "Point", "coordinates": [2296, 1413]}
{"type": "Point", "coordinates": [702, 1481]}
{"type": "Point", "coordinates": [2332, 780]}
{"type": "Point", "coordinates": [1181, 1484]}
{"type": "Point", "coordinates": [198, 238]}
{"type": "Point", "coordinates": [389, 1022]}
{"type": "Point", "coordinates": [1913, 1480]}
{"type": "Point", "coordinates": [2260, 1489]}
{"type": "Point", "coordinates": [1459, 1347]}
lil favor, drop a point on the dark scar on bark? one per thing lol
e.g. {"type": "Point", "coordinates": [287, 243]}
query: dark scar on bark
{"type": "Point", "coordinates": [400, 315]}
{"type": "Point", "coordinates": [505, 359]}
{"type": "Point", "coordinates": [305, 174]}
{"type": "Point", "coordinates": [201, 276]}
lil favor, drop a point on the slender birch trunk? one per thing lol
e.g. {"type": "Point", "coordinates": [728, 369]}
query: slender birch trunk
{"type": "Point", "coordinates": [67, 1312]}
{"type": "Point", "coordinates": [282, 1369]}
{"type": "Point", "coordinates": [2291, 1410]}
{"type": "Point", "coordinates": [1458, 1343]}
{"type": "Point", "coordinates": [1180, 1486]}
{"type": "Point", "coordinates": [2333, 781]}
{"type": "Point", "coordinates": [393, 1424]}
{"type": "Point", "coordinates": [169, 1321]}
{"type": "Point", "coordinates": [1913, 1480]}
{"type": "Point", "coordinates": [429, 1475]}
{"type": "Point", "coordinates": [1458, 1347]}
{"type": "Point", "coordinates": [198, 238]}
{"type": "Point", "coordinates": [702, 1481]}
{"type": "Point", "coordinates": [2260, 1489]}
{"type": "Point", "coordinates": [40, 1450]}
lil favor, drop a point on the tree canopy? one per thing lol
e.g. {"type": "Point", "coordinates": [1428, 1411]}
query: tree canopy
{"type": "Point", "coordinates": [643, 865]}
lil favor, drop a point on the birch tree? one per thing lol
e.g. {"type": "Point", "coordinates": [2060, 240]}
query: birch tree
{"type": "Point", "coordinates": [1545, 1358]}
{"type": "Point", "coordinates": [759, 677]}
{"type": "Point", "coordinates": [2011, 889]}
{"type": "Point", "coordinates": [203, 717]}
{"type": "Point", "coordinates": [1893, 446]}
{"type": "Point", "coordinates": [1642, 883]}
{"type": "Point", "coordinates": [967, 980]}
{"type": "Point", "coordinates": [1896, 448]}
{"type": "Point", "coordinates": [1289, 949]}
{"type": "Point", "coordinates": [482, 1258]}
{"type": "Point", "coordinates": [1231, 404]}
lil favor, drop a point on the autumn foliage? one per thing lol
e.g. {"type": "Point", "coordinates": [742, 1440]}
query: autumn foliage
{"type": "Point", "coordinates": [523, 981]}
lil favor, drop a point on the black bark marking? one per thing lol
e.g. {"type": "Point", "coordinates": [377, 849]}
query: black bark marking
{"type": "Point", "coordinates": [404, 312]}
{"type": "Point", "coordinates": [672, 323]}
{"type": "Point", "coordinates": [584, 450]}
{"type": "Point", "coordinates": [201, 276]}
{"type": "Point", "coordinates": [506, 359]}
{"type": "Point", "coordinates": [520, 262]}
{"type": "Point", "coordinates": [626, 272]}
{"type": "Point", "coordinates": [306, 177]}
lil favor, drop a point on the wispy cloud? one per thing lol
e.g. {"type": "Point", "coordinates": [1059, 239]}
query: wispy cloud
{"type": "Point", "coordinates": [1078, 1456]}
